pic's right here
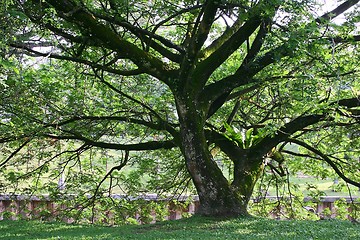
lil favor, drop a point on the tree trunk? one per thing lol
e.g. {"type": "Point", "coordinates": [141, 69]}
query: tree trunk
{"type": "Point", "coordinates": [246, 174]}
{"type": "Point", "coordinates": [217, 196]}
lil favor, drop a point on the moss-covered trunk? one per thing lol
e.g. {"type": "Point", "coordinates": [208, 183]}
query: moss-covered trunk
{"type": "Point", "coordinates": [246, 174]}
{"type": "Point", "coordinates": [218, 197]}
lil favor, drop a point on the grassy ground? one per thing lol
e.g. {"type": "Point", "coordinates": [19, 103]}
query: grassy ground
{"type": "Point", "coordinates": [192, 228]}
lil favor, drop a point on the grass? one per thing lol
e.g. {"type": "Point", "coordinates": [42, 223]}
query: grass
{"type": "Point", "coordinates": [191, 228]}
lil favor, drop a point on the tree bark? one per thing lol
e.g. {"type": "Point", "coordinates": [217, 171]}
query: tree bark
{"type": "Point", "coordinates": [217, 196]}
{"type": "Point", "coordinates": [247, 168]}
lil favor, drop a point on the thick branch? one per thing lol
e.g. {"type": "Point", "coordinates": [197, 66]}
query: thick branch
{"type": "Point", "coordinates": [142, 32]}
{"type": "Point", "coordinates": [349, 102]}
{"type": "Point", "coordinates": [284, 133]}
{"type": "Point", "coordinates": [297, 124]}
{"type": "Point", "coordinates": [259, 41]}
{"type": "Point", "coordinates": [210, 64]}
{"type": "Point", "coordinates": [336, 12]}
{"type": "Point", "coordinates": [74, 13]}
{"type": "Point", "coordinates": [217, 43]}
{"type": "Point", "coordinates": [229, 147]}
{"type": "Point", "coordinates": [355, 38]}
{"type": "Point", "coordinates": [151, 125]}
{"type": "Point", "coordinates": [230, 45]}
{"type": "Point", "coordinates": [227, 97]}
{"type": "Point", "coordinates": [203, 29]}
{"type": "Point", "coordinates": [244, 75]}
{"type": "Point", "coordinates": [221, 90]}
{"type": "Point", "coordinates": [197, 38]}
{"type": "Point", "coordinates": [147, 37]}
{"type": "Point", "coordinates": [151, 145]}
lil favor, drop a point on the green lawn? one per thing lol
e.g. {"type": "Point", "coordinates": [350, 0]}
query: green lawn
{"type": "Point", "coordinates": [192, 228]}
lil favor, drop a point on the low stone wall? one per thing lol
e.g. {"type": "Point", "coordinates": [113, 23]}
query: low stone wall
{"type": "Point", "coordinates": [32, 206]}
{"type": "Point", "coordinates": [329, 202]}
{"type": "Point", "coordinates": [325, 202]}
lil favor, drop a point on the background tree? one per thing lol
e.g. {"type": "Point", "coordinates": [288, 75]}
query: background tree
{"type": "Point", "coordinates": [224, 82]}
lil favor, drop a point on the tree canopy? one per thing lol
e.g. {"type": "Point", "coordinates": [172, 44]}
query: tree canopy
{"type": "Point", "coordinates": [216, 92]}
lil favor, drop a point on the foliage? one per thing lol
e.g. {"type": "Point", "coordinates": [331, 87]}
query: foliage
{"type": "Point", "coordinates": [177, 97]}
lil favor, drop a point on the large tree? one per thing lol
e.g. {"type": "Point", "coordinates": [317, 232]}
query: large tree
{"type": "Point", "coordinates": [223, 81]}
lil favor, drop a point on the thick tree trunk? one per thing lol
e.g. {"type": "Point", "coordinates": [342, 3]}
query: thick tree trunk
{"type": "Point", "coordinates": [217, 196]}
{"type": "Point", "coordinates": [246, 174]}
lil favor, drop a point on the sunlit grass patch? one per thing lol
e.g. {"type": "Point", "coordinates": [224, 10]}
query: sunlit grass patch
{"type": "Point", "coordinates": [191, 228]}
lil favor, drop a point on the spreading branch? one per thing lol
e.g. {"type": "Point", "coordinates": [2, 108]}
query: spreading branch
{"type": "Point", "coordinates": [202, 31]}
{"type": "Point", "coordinates": [336, 11]}
{"type": "Point", "coordinates": [211, 63]}
{"type": "Point", "coordinates": [155, 126]}
{"type": "Point", "coordinates": [245, 73]}
{"type": "Point", "coordinates": [77, 60]}
{"type": "Point", "coordinates": [78, 15]}
{"type": "Point", "coordinates": [151, 145]}
{"type": "Point", "coordinates": [326, 159]}
{"type": "Point", "coordinates": [15, 152]}
{"type": "Point", "coordinates": [298, 124]}
{"type": "Point", "coordinates": [148, 38]}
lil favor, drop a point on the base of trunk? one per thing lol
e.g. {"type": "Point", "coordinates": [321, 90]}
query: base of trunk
{"type": "Point", "coordinates": [225, 206]}
{"type": "Point", "coordinates": [226, 213]}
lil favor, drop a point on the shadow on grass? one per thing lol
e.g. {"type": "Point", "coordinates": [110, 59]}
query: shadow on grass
{"type": "Point", "coordinates": [192, 228]}
{"type": "Point", "coordinates": [16, 230]}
